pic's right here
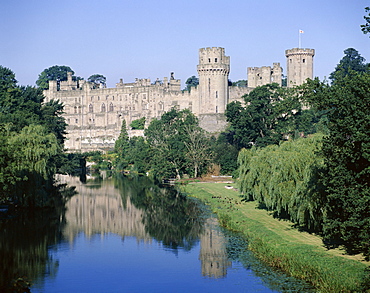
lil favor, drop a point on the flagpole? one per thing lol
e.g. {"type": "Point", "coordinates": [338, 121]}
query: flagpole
{"type": "Point", "coordinates": [299, 38]}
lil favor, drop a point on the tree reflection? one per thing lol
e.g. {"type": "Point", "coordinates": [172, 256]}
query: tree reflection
{"type": "Point", "coordinates": [169, 216]}
{"type": "Point", "coordinates": [24, 241]}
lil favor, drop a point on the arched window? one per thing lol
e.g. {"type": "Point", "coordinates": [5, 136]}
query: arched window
{"type": "Point", "coordinates": [111, 107]}
{"type": "Point", "coordinates": [103, 107]}
{"type": "Point", "coordinates": [91, 108]}
{"type": "Point", "coordinates": [75, 110]}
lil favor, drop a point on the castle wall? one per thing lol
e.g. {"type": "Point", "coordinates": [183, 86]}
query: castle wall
{"type": "Point", "coordinates": [94, 115]}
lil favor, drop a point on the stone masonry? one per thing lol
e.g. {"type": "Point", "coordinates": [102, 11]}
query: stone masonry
{"type": "Point", "coordinates": [94, 115]}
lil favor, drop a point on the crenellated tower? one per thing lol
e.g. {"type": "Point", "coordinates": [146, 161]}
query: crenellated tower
{"type": "Point", "coordinates": [299, 65]}
{"type": "Point", "coordinates": [213, 72]}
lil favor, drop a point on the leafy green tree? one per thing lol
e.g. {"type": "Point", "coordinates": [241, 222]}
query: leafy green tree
{"type": "Point", "coordinates": [55, 72]}
{"type": "Point", "coordinates": [121, 147]}
{"type": "Point", "coordinates": [346, 152]}
{"type": "Point", "coordinates": [167, 138]}
{"type": "Point", "coordinates": [192, 81]}
{"type": "Point", "coordinates": [241, 83]}
{"type": "Point", "coordinates": [32, 136]}
{"type": "Point", "coordinates": [351, 63]}
{"type": "Point", "coordinates": [224, 154]}
{"type": "Point", "coordinates": [139, 154]}
{"type": "Point", "coordinates": [366, 27]}
{"type": "Point", "coordinates": [198, 148]}
{"type": "Point", "coordinates": [269, 114]}
{"type": "Point", "coordinates": [97, 79]}
{"type": "Point", "coordinates": [138, 123]}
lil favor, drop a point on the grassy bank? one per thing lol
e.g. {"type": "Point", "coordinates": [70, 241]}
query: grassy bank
{"type": "Point", "coordinates": [300, 254]}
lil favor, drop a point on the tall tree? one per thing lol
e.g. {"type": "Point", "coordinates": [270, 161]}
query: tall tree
{"type": "Point", "coordinates": [121, 147]}
{"type": "Point", "coordinates": [267, 115]}
{"type": "Point", "coordinates": [366, 27]}
{"type": "Point", "coordinates": [97, 79]}
{"type": "Point", "coordinates": [351, 63]}
{"type": "Point", "coordinates": [192, 81]}
{"type": "Point", "coordinates": [167, 138]}
{"type": "Point", "coordinates": [346, 152]}
{"type": "Point", "coordinates": [198, 148]}
{"type": "Point", "coordinates": [55, 72]}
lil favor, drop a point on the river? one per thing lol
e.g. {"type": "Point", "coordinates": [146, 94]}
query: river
{"type": "Point", "coordinates": [129, 235]}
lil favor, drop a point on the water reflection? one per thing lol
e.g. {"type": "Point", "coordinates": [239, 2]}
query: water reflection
{"type": "Point", "coordinates": [213, 255]}
{"type": "Point", "coordinates": [24, 242]}
{"type": "Point", "coordinates": [38, 247]}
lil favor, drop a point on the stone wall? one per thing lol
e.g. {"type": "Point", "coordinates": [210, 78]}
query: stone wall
{"type": "Point", "coordinates": [94, 115]}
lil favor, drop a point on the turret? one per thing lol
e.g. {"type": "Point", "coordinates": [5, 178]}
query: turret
{"type": "Point", "coordinates": [213, 72]}
{"type": "Point", "coordinates": [299, 65]}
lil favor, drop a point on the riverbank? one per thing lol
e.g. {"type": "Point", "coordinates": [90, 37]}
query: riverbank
{"type": "Point", "coordinates": [277, 243]}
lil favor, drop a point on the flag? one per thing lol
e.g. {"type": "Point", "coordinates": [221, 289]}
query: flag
{"type": "Point", "coordinates": [301, 32]}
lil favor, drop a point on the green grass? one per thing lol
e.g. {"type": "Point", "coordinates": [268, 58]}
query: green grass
{"type": "Point", "coordinates": [278, 244]}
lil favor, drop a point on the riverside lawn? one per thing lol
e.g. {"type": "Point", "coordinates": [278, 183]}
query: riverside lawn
{"type": "Point", "coordinates": [277, 243]}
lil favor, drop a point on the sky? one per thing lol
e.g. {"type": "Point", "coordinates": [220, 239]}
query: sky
{"type": "Point", "coordinates": [131, 39]}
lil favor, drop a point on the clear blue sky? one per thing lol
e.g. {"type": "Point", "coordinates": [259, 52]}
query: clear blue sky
{"type": "Point", "coordinates": [149, 39]}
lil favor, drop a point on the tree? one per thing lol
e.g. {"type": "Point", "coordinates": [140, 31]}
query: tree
{"type": "Point", "coordinates": [366, 27]}
{"type": "Point", "coordinates": [241, 83]}
{"type": "Point", "coordinates": [283, 179]}
{"type": "Point", "coordinates": [121, 147]}
{"type": "Point", "coordinates": [198, 149]}
{"type": "Point", "coordinates": [192, 81]}
{"type": "Point", "coordinates": [351, 63]}
{"type": "Point", "coordinates": [268, 115]}
{"type": "Point", "coordinates": [346, 152]}
{"type": "Point", "coordinates": [97, 79]}
{"type": "Point", "coordinates": [55, 72]}
{"type": "Point", "coordinates": [138, 123]}
{"type": "Point", "coordinates": [167, 138]}
{"type": "Point", "coordinates": [31, 141]}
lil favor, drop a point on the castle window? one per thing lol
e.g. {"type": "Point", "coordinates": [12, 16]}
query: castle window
{"type": "Point", "coordinates": [216, 109]}
{"type": "Point", "coordinates": [216, 94]}
{"type": "Point", "coordinates": [75, 110]}
{"type": "Point", "coordinates": [76, 120]}
{"type": "Point", "coordinates": [304, 60]}
{"type": "Point", "coordinates": [209, 60]}
{"type": "Point", "coordinates": [103, 107]}
{"type": "Point", "coordinates": [290, 60]}
{"type": "Point", "coordinates": [215, 59]}
{"type": "Point", "coordinates": [113, 98]}
{"type": "Point", "coordinates": [91, 108]}
{"type": "Point", "coordinates": [111, 107]}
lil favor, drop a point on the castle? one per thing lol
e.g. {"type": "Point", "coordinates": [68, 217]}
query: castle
{"type": "Point", "coordinates": [94, 115]}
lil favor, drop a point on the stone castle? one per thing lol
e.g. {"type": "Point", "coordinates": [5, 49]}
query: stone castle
{"type": "Point", "coordinates": [94, 115]}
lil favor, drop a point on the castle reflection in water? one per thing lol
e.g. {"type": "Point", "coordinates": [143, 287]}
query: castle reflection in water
{"type": "Point", "coordinates": [99, 210]}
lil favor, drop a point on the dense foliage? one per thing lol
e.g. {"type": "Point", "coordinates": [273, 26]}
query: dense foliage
{"type": "Point", "coordinates": [283, 179]}
{"type": "Point", "coordinates": [32, 137]}
{"type": "Point", "coordinates": [366, 27]}
{"type": "Point", "coordinates": [138, 123]}
{"type": "Point", "coordinates": [270, 114]}
{"type": "Point", "coordinates": [321, 186]}
{"type": "Point", "coordinates": [55, 72]}
{"type": "Point", "coordinates": [174, 145]}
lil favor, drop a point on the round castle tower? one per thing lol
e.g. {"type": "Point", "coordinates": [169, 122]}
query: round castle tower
{"type": "Point", "coordinates": [213, 72]}
{"type": "Point", "coordinates": [299, 65]}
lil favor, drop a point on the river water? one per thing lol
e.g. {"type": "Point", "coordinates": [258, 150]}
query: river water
{"type": "Point", "coordinates": [129, 235]}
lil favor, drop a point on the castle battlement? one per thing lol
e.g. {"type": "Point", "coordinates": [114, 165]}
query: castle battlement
{"type": "Point", "coordinates": [94, 114]}
{"type": "Point", "coordinates": [299, 51]}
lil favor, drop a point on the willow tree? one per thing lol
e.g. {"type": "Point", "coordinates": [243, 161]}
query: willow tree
{"type": "Point", "coordinates": [284, 179]}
